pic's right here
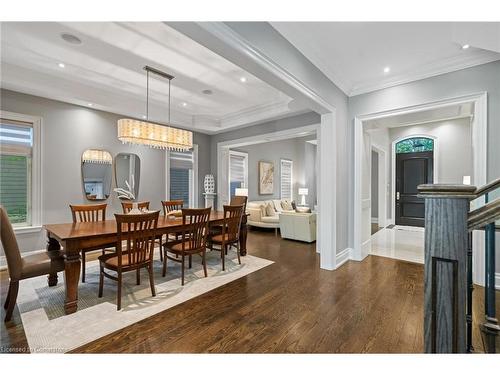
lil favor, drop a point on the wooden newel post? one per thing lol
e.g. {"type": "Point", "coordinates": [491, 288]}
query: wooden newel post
{"type": "Point", "coordinates": [446, 242]}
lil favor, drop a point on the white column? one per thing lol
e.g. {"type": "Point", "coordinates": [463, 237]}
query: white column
{"type": "Point", "coordinates": [327, 234]}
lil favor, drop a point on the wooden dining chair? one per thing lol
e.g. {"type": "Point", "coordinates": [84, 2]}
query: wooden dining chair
{"type": "Point", "coordinates": [217, 229]}
{"type": "Point", "coordinates": [170, 206]}
{"type": "Point", "coordinates": [134, 251]}
{"type": "Point", "coordinates": [20, 268]}
{"type": "Point", "coordinates": [193, 239]}
{"type": "Point", "coordinates": [88, 213]}
{"type": "Point", "coordinates": [230, 235]}
{"type": "Point", "coordinates": [127, 206]}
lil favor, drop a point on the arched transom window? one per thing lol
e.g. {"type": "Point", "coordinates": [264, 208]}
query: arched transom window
{"type": "Point", "coordinates": [417, 144]}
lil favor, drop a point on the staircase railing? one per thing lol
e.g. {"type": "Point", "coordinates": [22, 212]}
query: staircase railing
{"type": "Point", "coordinates": [448, 266]}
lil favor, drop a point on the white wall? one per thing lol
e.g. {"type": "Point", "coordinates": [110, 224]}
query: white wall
{"type": "Point", "coordinates": [68, 130]}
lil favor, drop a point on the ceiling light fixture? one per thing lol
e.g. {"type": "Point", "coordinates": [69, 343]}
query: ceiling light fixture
{"type": "Point", "coordinates": [207, 92]}
{"type": "Point", "coordinates": [90, 104]}
{"type": "Point", "coordinates": [61, 65]}
{"type": "Point", "coordinates": [465, 46]}
{"type": "Point", "coordinates": [243, 79]}
{"type": "Point", "coordinates": [387, 69]}
{"type": "Point", "coordinates": [146, 133]}
{"type": "Point", "coordinates": [184, 104]}
{"type": "Point", "coordinates": [70, 38]}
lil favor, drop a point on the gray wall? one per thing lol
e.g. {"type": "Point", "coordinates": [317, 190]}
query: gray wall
{"type": "Point", "coordinates": [477, 79]}
{"type": "Point", "coordinates": [454, 151]}
{"type": "Point", "coordinates": [67, 130]}
{"type": "Point", "coordinates": [292, 149]}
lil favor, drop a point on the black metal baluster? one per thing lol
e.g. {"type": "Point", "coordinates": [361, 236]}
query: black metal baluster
{"type": "Point", "coordinates": [470, 289]}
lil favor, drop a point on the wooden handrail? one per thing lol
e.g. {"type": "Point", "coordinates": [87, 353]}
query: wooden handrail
{"type": "Point", "coordinates": [486, 214]}
{"type": "Point", "coordinates": [495, 184]}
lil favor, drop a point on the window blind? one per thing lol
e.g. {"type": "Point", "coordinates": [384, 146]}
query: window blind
{"type": "Point", "coordinates": [181, 167]}
{"type": "Point", "coordinates": [237, 172]}
{"type": "Point", "coordinates": [16, 141]}
{"type": "Point", "coordinates": [286, 171]}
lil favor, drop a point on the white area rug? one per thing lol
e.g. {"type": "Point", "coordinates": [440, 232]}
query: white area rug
{"type": "Point", "coordinates": [48, 329]}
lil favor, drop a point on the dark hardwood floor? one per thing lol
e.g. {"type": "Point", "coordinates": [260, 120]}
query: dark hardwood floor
{"type": "Point", "coordinates": [373, 306]}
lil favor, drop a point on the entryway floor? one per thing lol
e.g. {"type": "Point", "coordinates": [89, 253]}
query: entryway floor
{"type": "Point", "coordinates": [399, 243]}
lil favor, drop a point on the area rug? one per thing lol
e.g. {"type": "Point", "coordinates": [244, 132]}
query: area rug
{"type": "Point", "coordinates": [49, 330]}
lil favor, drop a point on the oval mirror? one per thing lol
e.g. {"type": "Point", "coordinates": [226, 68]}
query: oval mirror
{"type": "Point", "coordinates": [128, 172]}
{"type": "Point", "coordinates": [97, 172]}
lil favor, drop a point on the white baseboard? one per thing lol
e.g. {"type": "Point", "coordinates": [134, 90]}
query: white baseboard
{"type": "Point", "coordinates": [343, 257]}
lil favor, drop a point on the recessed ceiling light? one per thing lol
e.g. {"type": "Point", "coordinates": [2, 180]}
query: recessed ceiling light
{"type": "Point", "coordinates": [387, 69]}
{"type": "Point", "coordinates": [90, 104]}
{"type": "Point", "coordinates": [70, 38]}
{"type": "Point", "coordinates": [243, 79]}
{"type": "Point", "coordinates": [184, 104]}
{"type": "Point", "coordinates": [61, 65]}
{"type": "Point", "coordinates": [207, 92]}
{"type": "Point", "coordinates": [465, 46]}
{"type": "Point", "coordinates": [144, 116]}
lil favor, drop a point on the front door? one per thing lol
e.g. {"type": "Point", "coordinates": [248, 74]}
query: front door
{"type": "Point", "coordinates": [412, 169]}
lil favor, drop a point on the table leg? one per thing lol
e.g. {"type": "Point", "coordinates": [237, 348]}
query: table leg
{"type": "Point", "coordinates": [72, 266]}
{"type": "Point", "coordinates": [243, 236]}
{"type": "Point", "coordinates": [52, 245]}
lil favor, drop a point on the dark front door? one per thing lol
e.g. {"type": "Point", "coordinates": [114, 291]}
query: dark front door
{"type": "Point", "coordinates": [412, 169]}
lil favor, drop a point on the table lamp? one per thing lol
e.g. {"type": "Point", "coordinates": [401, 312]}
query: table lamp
{"type": "Point", "coordinates": [303, 192]}
{"type": "Point", "coordinates": [243, 192]}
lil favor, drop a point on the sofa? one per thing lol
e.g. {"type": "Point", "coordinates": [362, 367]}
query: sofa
{"type": "Point", "coordinates": [259, 217]}
{"type": "Point", "coordinates": [298, 226]}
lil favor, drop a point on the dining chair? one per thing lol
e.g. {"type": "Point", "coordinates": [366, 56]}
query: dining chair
{"type": "Point", "coordinates": [127, 206]}
{"type": "Point", "coordinates": [217, 229]}
{"type": "Point", "coordinates": [230, 234]}
{"type": "Point", "coordinates": [193, 239]}
{"type": "Point", "coordinates": [20, 268]}
{"type": "Point", "coordinates": [170, 206]}
{"type": "Point", "coordinates": [84, 213]}
{"type": "Point", "coordinates": [134, 251]}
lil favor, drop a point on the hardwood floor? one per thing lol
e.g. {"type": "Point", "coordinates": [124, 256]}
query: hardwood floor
{"type": "Point", "coordinates": [373, 306]}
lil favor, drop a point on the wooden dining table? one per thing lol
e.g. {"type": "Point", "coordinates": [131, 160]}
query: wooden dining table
{"type": "Point", "coordinates": [75, 237]}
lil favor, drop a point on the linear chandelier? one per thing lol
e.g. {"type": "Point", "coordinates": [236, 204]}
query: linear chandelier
{"type": "Point", "coordinates": [146, 133]}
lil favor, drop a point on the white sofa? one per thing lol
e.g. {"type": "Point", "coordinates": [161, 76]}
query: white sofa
{"type": "Point", "coordinates": [298, 226]}
{"type": "Point", "coordinates": [258, 219]}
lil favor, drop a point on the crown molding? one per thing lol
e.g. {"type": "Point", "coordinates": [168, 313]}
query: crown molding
{"type": "Point", "coordinates": [228, 36]}
{"type": "Point", "coordinates": [255, 114]}
{"type": "Point", "coordinates": [430, 70]}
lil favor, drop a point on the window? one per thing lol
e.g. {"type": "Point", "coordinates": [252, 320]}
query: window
{"type": "Point", "coordinates": [238, 171]}
{"type": "Point", "coordinates": [19, 166]}
{"type": "Point", "coordinates": [286, 180]}
{"type": "Point", "coordinates": [182, 182]}
{"type": "Point", "coordinates": [418, 144]}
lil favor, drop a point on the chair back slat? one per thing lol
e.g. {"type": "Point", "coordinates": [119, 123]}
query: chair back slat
{"type": "Point", "coordinates": [127, 206]}
{"type": "Point", "coordinates": [174, 205]}
{"type": "Point", "coordinates": [239, 200]}
{"type": "Point", "coordinates": [138, 233]}
{"type": "Point", "coordinates": [232, 221]}
{"type": "Point", "coordinates": [195, 227]}
{"type": "Point", "coordinates": [88, 212]}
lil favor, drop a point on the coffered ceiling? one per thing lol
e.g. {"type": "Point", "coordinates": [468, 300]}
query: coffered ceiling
{"type": "Point", "coordinates": [105, 71]}
{"type": "Point", "coordinates": [364, 56]}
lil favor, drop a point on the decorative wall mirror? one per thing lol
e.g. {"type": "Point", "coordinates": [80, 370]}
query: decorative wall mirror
{"type": "Point", "coordinates": [97, 173]}
{"type": "Point", "coordinates": [128, 171]}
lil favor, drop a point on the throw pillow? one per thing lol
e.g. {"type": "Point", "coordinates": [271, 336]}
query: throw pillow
{"type": "Point", "coordinates": [287, 206]}
{"type": "Point", "coordinates": [270, 210]}
{"type": "Point", "coordinates": [262, 210]}
{"type": "Point", "coordinates": [277, 205]}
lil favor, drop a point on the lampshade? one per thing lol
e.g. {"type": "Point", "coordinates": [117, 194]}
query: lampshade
{"type": "Point", "coordinates": [303, 191]}
{"type": "Point", "coordinates": [154, 135]}
{"type": "Point", "coordinates": [466, 180]}
{"type": "Point", "coordinates": [97, 157]}
{"type": "Point", "coordinates": [243, 192]}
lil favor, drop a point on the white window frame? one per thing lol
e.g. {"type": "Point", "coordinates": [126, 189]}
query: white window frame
{"type": "Point", "coordinates": [245, 174]}
{"type": "Point", "coordinates": [35, 206]}
{"type": "Point", "coordinates": [291, 177]}
{"type": "Point", "coordinates": [194, 194]}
